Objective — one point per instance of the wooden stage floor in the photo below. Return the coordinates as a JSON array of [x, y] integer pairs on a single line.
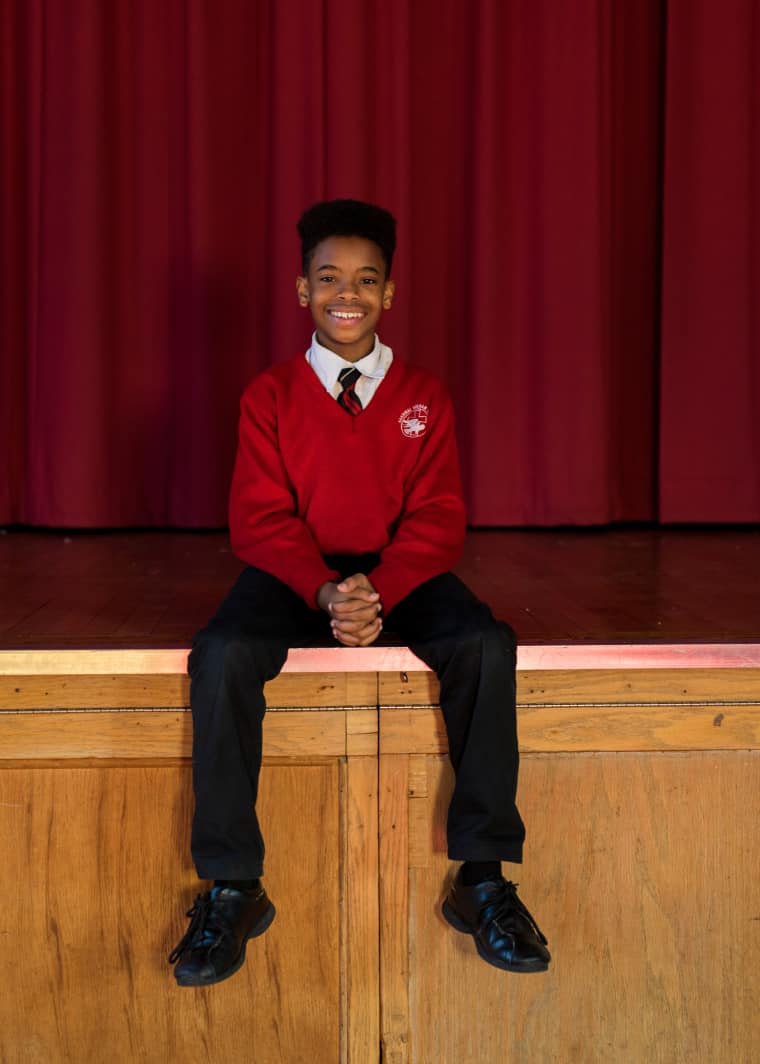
[[556, 587]]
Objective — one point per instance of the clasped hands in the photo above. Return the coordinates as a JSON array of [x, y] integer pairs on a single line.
[[354, 609]]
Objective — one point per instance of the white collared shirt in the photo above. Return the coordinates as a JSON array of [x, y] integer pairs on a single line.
[[373, 367]]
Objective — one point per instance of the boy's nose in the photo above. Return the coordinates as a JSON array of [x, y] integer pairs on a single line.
[[348, 289]]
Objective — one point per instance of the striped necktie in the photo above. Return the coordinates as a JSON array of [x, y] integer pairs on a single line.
[[348, 398]]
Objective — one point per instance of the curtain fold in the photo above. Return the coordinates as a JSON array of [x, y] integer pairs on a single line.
[[576, 190], [710, 411]]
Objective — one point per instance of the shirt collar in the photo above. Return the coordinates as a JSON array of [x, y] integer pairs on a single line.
[[328, 365]]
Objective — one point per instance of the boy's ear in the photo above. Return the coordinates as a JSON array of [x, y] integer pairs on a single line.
[[302, 291], [390, 288]]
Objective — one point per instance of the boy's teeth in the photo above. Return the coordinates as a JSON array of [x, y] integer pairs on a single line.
[[343, 314]]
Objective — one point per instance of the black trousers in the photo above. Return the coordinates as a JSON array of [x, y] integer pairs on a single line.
[[245, 645]]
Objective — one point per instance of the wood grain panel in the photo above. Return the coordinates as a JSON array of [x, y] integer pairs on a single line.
[[70, 691], [102, 857], [579, 729], [143, 735], [360, 908], [394, 899], [642, 870], [637, 686], [320, 689], [136, 735], [679, 727], [408, 689], [294, 734], [92, 692], [594, 686]]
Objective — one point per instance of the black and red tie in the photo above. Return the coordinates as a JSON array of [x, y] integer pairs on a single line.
[[348, 398]]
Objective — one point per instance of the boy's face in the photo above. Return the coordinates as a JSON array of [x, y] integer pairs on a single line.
[[347, 291]]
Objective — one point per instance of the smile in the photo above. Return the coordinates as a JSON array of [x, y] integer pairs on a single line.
[[346, 315]]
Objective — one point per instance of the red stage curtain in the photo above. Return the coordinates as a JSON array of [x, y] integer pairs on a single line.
[[710, 456], [157, 154]]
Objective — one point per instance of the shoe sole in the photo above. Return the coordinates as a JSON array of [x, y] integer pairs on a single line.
[[258, 929], [451, 916]]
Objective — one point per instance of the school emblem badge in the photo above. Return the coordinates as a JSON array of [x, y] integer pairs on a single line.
[[413, 421]]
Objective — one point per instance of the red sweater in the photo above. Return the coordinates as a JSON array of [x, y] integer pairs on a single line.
[[311, 479]]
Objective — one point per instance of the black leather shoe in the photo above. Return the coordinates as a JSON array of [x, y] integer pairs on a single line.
[[505, 933], [221, 922]]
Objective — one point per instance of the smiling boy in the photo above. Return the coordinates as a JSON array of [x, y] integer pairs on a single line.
[[346, 506]]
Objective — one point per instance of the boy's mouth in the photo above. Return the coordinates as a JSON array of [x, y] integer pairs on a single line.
[[348, 316]]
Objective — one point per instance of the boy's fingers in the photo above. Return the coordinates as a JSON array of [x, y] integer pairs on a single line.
[[355, 583], [362, 593], [355, 635], [355, 607], [361, 615], [352, 627], [363, 640]]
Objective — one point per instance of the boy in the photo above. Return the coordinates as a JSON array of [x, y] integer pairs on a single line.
[[346, 504]]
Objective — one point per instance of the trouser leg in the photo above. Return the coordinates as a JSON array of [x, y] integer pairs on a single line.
[[243, 646], [473, 656]]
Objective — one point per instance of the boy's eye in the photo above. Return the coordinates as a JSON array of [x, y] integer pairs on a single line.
[[327, 278], [369, 280]]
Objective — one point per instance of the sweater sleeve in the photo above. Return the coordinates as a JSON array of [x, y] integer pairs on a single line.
[[265, 529], [429, 535]]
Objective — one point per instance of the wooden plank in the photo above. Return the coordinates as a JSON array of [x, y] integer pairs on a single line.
[[639, 686], [581, 686], [360, 903], [559, 729], [290, 733], [135, 735], [302, 876], [322, 689], [408, 689], [93, 692], [676, 727], [294, 734], [394, 908], [143, 735], [561, 688], [113, 691]]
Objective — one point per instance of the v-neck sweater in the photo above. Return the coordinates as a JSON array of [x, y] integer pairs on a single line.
[[312, 480]]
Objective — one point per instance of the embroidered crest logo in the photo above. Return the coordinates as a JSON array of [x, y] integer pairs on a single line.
[[413, 421]]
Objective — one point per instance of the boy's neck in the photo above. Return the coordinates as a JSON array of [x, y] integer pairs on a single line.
[[348, 352]]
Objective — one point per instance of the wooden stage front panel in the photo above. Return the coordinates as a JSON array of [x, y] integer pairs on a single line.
[[641, 791], [642, 871], [95, 878]]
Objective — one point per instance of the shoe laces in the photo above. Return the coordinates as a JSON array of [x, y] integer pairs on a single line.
[[509, 903], [200, 933]]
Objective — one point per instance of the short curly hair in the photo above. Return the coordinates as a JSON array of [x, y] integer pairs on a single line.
[[347, 217]]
